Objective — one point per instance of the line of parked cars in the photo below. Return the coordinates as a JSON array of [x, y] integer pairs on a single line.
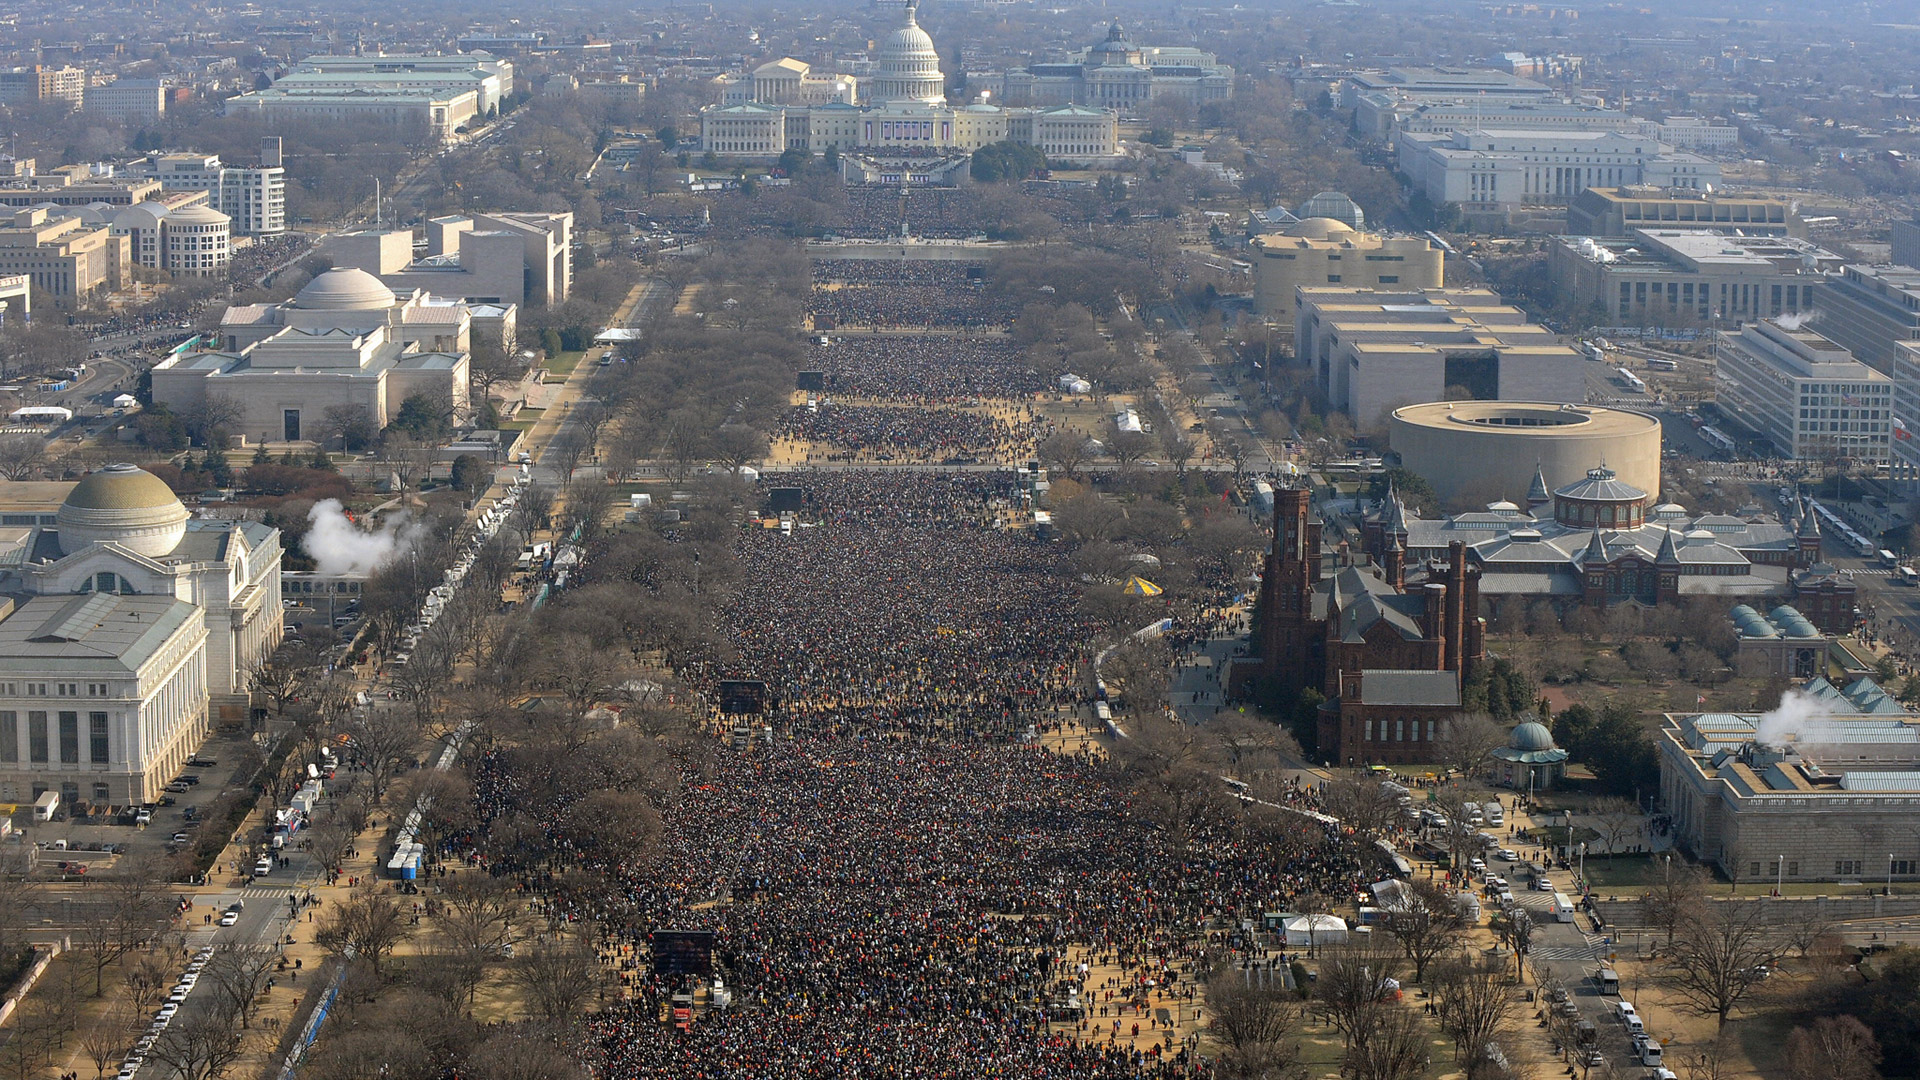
[[163, 1017]]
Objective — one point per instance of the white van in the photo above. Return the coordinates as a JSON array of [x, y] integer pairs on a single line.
[[1648, 1048], [1623, 1011], [1495, 816], [1562, 908], [263, 867]]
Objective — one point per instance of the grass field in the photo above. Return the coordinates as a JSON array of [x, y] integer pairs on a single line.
[[564, 363]]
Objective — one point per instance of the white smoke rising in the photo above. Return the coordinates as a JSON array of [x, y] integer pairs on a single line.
[[341, 547], [1797, 716], [1793, 320]]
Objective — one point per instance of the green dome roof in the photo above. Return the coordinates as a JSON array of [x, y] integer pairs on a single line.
[[121, 487], [1531, 736]]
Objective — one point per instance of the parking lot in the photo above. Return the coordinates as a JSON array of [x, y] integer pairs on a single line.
[[225, 765]]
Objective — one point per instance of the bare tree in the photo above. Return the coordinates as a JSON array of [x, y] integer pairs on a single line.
[[146, 979], [1677, 897], [22, 456], [107, 1040], [734, 445], [1426, 923], [1834, 1048], [200, 1045], [370, 922], [1475, 1004], [1258, 1025], [1350, 992], [1618, 821], [277, 676], [382, 740], [237, 975], [1469, 741], [558, 976], [1066, 451], [1362, 804], [1717, 955], [1515, 929], [1396, 1048], [1718, 1059]]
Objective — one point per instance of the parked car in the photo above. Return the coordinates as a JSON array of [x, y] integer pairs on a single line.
[[229, 918]]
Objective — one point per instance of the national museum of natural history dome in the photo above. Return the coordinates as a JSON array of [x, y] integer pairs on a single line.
[[128, 628]]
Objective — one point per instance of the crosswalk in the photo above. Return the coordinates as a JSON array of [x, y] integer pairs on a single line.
[[1869, 571], [1566, 952]]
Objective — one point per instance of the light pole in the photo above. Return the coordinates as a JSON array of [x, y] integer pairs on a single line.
[[1889, 873], [1779, 872]]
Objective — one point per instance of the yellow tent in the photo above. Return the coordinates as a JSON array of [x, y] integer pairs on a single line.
[[1139, 586]]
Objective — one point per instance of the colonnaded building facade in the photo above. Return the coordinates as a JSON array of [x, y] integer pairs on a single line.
[[127, 627], [906, 109]]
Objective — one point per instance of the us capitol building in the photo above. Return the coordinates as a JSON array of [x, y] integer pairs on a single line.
[[785, 106]]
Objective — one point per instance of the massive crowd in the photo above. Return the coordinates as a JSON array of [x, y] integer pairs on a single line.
[[894, 293], [912, 909], [903, 607], [933, 213], [895, 887], [927, 369], [865, 432]]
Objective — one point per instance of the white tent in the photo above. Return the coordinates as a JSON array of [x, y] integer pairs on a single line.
[[1127, 420], [1316, 930], [125, 401], [1074, 384], [42, 414]]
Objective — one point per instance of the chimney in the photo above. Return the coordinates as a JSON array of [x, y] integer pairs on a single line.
[[1456, 603], [1434, 622]]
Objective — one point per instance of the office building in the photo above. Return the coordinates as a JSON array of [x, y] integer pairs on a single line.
[[16, 297], [1620, 211], [1664, 276], [518, 259], [1803, 394], [1118, 74], [133, 102], [30, 85], [344, 340], [1869, 311], [1694, 133], [1828, 798], [1497, 169], [132, 626], [1381, 115], [1322, 251], [1443, 85], [438, 95], [254, 199], [75, 186], [1905, 238], [61, 253], [1374, 351]]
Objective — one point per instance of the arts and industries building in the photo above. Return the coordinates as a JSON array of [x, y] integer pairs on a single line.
[[1599, 541], [344, 340], [509, 258], [1689, 275], [254, 198], [906, 110], [1116, 74], [127, 628], [1831, 798], [438, 95], [1322, 251], [1806, 396], [1620, 211], [1485, 169], [1476, 452], [1373, 351]]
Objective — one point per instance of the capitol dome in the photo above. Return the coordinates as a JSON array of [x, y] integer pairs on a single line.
[[907, 68], [124, 505], [343, 289]]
